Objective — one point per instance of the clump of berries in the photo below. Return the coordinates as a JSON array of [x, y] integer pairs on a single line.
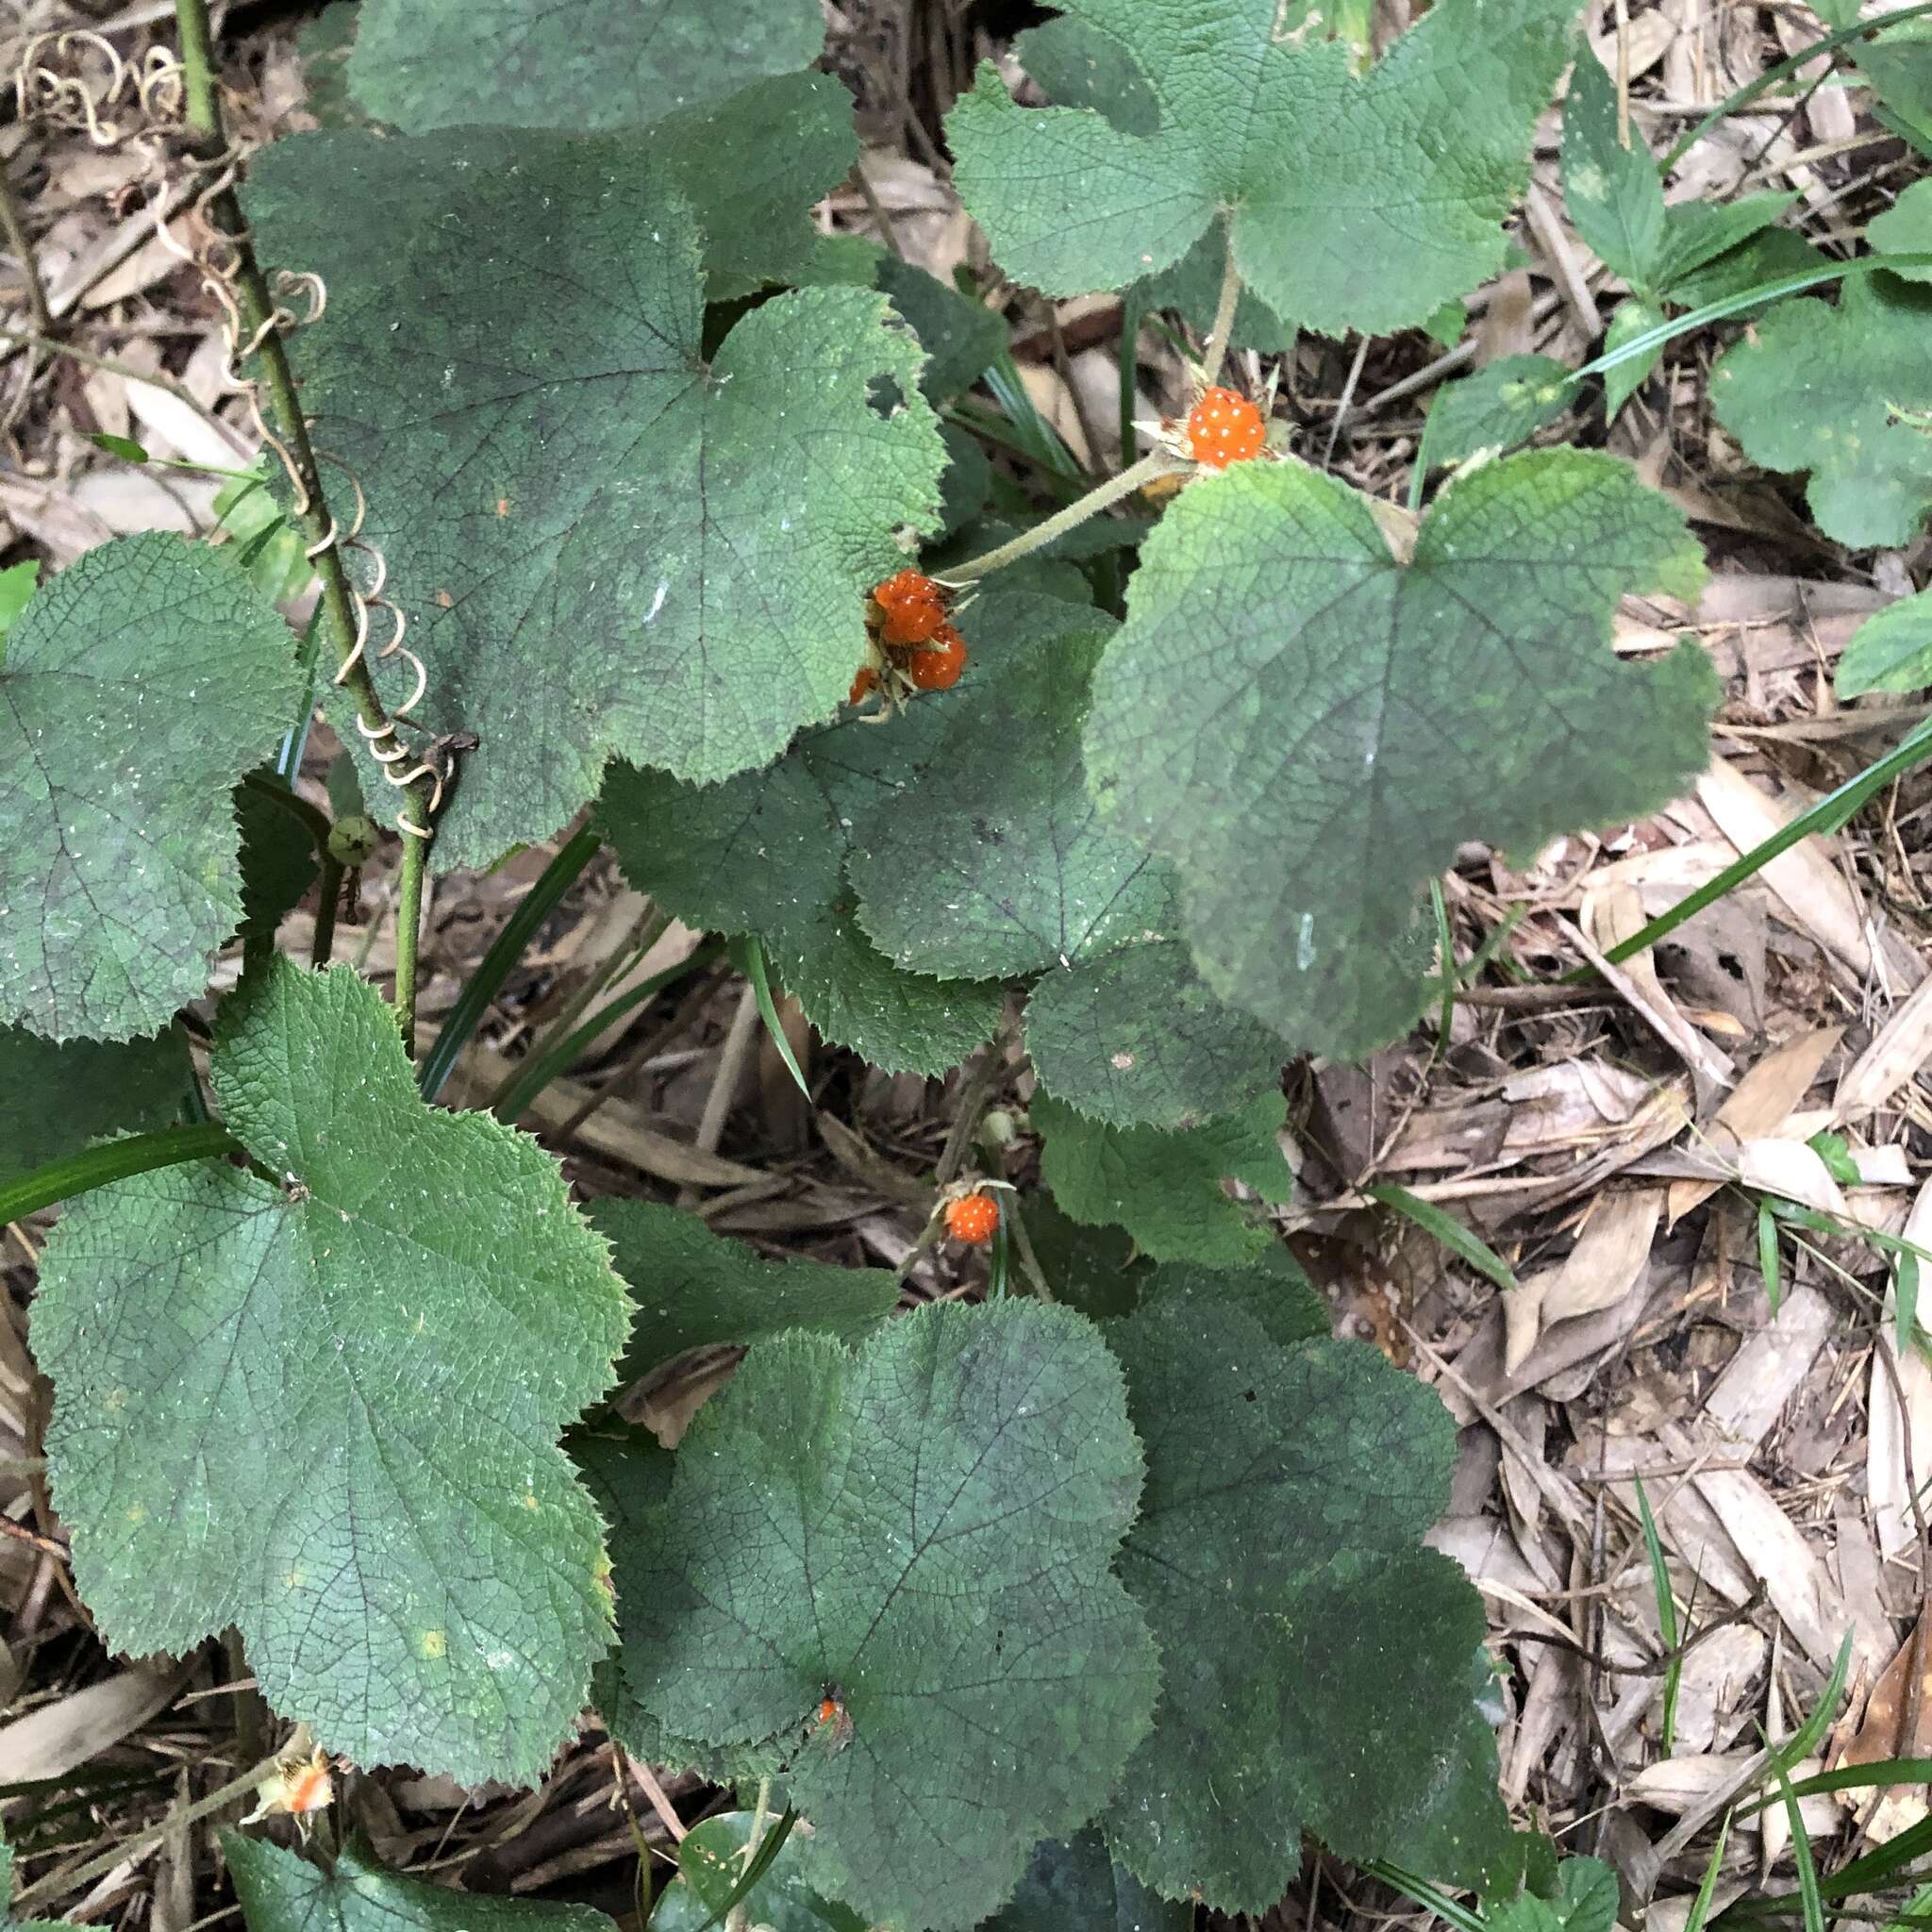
[[974, 1219], [1224, 428], [914, 644]]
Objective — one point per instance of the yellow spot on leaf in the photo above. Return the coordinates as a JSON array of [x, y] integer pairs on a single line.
[[446, 601], [432, 1643], [503, 506]]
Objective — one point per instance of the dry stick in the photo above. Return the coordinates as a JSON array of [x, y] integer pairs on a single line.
[[732, 1058], [52, 344], [257, 307], [57, 1882], [20, 243]]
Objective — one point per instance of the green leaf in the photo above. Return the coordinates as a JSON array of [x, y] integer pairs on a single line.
[[1905, 228], [1079, 63], [1002, 866], [325, 1409], [1074, 1886], [1890, 651], [751, 166], [622, 550], [1587, 1900], [423, 64], [1165, 1188], [1366, 717], [1843, 393], [1503, 404], [935, 1518], [1696, 233], [123, 446], [259, 540], [139, 686], [1613, 192], [281, 1892], [1620, 383], [695, 1288], [1444, 1230], [1765, 258], [961, 338], [54, 1099], [17, 585], [1132, 1037], [1096, 1270], [766, 852], [710, 1862], [1357, 201], [999, 865], [1314, 1656], [278, 860], [1445, 325], [1899, 66], [1836, 1153]]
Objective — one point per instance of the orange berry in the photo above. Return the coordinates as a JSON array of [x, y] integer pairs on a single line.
[[973, 1219], [913, 610], [1224, 428], [939, 665]]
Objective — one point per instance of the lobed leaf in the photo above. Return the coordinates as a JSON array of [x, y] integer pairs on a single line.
[[1354, 201], [694, 1289], [998, 864], [136, 687], [598, 64], [325, 1409], [282, 1893], [1314, 1656], [1310, 727], [1847, 394], [921, 1529], [54, 1099], [603, 544], [1165, 1188]]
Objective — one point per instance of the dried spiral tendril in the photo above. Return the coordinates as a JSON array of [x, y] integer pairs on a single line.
[[155, 92]]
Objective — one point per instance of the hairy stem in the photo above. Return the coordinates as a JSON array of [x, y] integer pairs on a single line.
[[1159, 464], [257, 305], [1223, 311]]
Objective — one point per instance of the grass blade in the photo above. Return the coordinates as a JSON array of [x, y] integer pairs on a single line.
[[1446, 1230], [750, 955], [1666, 1615], [558, 876], [1767, 1254], [1831, 811], [113, 1160]]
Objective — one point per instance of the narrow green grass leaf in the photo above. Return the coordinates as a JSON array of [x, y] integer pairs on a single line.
[[750, 955], [483, 985], [113, 1160], [1666, 1615], [1768, 1255], [1706, 1888], [1809, 1897], [1447, 1231]]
